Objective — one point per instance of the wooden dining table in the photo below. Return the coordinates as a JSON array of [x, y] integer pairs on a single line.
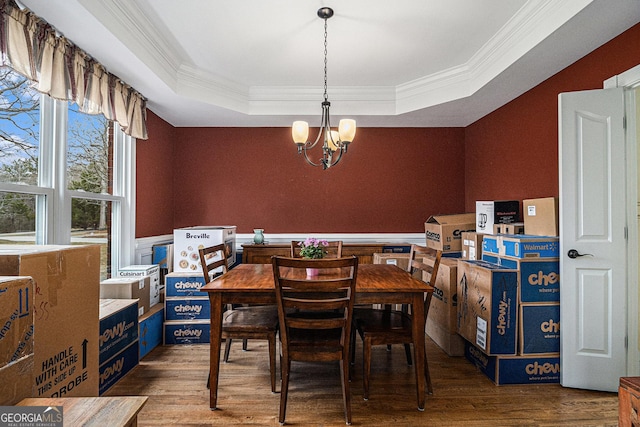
[[376, 284]]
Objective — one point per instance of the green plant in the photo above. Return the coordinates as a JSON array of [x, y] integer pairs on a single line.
[[313, 248]]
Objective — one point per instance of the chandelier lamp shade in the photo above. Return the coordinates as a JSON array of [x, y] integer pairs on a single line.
[[334, 142]]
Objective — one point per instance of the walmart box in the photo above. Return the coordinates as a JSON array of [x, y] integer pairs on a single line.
[[182, 309], [521, 246], [539, 328], [194, 332], [150, 329], [118, 326], [118, 366], [153, 271], [184, 285], [487, 306], [444, 232], [515, 369]]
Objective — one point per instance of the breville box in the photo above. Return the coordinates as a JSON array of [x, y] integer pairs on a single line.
[[487, 306], [118, 326], [153, 271], [472, 245], [530, 369], [118, 366], [187, 309], [66, 314], [398, 259], [184, 285], [194, 332], [16, 318], [541, 216], [188, 241], [444, 232], [490, 212], [443, 309], [539, 329], [128, 288], [16, 382], [150, 329]]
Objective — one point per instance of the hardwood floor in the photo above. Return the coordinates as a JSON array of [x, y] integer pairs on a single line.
[[174, 378]]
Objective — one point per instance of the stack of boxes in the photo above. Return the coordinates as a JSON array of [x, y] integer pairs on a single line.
[[187, 310]]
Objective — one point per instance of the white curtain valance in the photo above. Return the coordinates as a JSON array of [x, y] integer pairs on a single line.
[[32, 47]]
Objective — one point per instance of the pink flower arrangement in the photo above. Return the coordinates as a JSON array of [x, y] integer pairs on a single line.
[[313, 248]]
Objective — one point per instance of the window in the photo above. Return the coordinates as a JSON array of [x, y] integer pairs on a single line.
[[65, 177]]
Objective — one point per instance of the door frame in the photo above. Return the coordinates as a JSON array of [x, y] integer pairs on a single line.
[[630, 81]]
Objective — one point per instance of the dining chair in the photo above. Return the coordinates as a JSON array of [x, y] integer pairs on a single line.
[[242, 322], [315, 317], [384, 326], [334, 250]]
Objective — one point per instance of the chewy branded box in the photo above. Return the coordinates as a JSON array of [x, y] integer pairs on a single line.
[[472, 245], [188, 241], [490, 212], [16, 382], [444, 232], [194, 332], [541, 216], [66, 314], [118, 326], [444, 302], [16, 319], [153, 271], [539, 329], [487, 306], [515, 369], [398, 259], [128, 288], [118, 366], [184, 285], [150, 329], [539, 278], [182, 309]]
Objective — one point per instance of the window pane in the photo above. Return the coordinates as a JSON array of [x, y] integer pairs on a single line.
[[17, 218], [19, 133], [91, 224], [90, 152]]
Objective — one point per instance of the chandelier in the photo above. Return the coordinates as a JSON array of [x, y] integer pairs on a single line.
[[334, 143]]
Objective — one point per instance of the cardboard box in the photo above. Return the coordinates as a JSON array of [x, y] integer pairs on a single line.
[[185, 333], [128, 288], [539, 329], [444, 232], [398, 259], [487, 306], [118, 366], [184, 285], [515, 369], [118, 326], [541, 216], [539, 278], [443, 309], [187, 309], [396, 249], [16, 319], [490, 212], [153, 271], [16, 381], [188, 241], [163, 256], [150, 329], [521, 246], [66, 314], [515, 228], [472, 245], [451, 343]]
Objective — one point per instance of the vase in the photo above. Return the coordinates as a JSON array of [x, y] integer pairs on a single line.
[[258, 237], [312, 272]]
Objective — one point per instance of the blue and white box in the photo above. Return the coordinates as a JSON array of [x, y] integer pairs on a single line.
[[540, 329], [185, 333], [117, 367], [521, 246], [150, 329], [182, 309], [184, 285], [118, 326]]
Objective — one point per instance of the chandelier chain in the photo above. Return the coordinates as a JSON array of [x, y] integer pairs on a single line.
[[326, 97]]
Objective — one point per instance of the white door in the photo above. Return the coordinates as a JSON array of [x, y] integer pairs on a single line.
[[593, 274]]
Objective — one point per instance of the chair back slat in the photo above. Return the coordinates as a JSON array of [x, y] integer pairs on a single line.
[[213, 261], [425, 271]]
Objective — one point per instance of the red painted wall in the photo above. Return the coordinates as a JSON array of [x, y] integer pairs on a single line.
[[512, 153], [154, 179], [391, 180]]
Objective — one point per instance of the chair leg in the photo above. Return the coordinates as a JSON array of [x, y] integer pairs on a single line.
[[244, 345], [346, 392], [272, 361], [284, 388], [209, 380], [227, 348], [366, 365], [427, 375], [407, 351]]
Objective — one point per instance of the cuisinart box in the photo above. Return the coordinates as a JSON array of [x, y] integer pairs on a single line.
[[188, 241]]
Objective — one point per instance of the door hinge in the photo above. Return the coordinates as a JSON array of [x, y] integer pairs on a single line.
[[626, 233], [624, 122], [626, 342]]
